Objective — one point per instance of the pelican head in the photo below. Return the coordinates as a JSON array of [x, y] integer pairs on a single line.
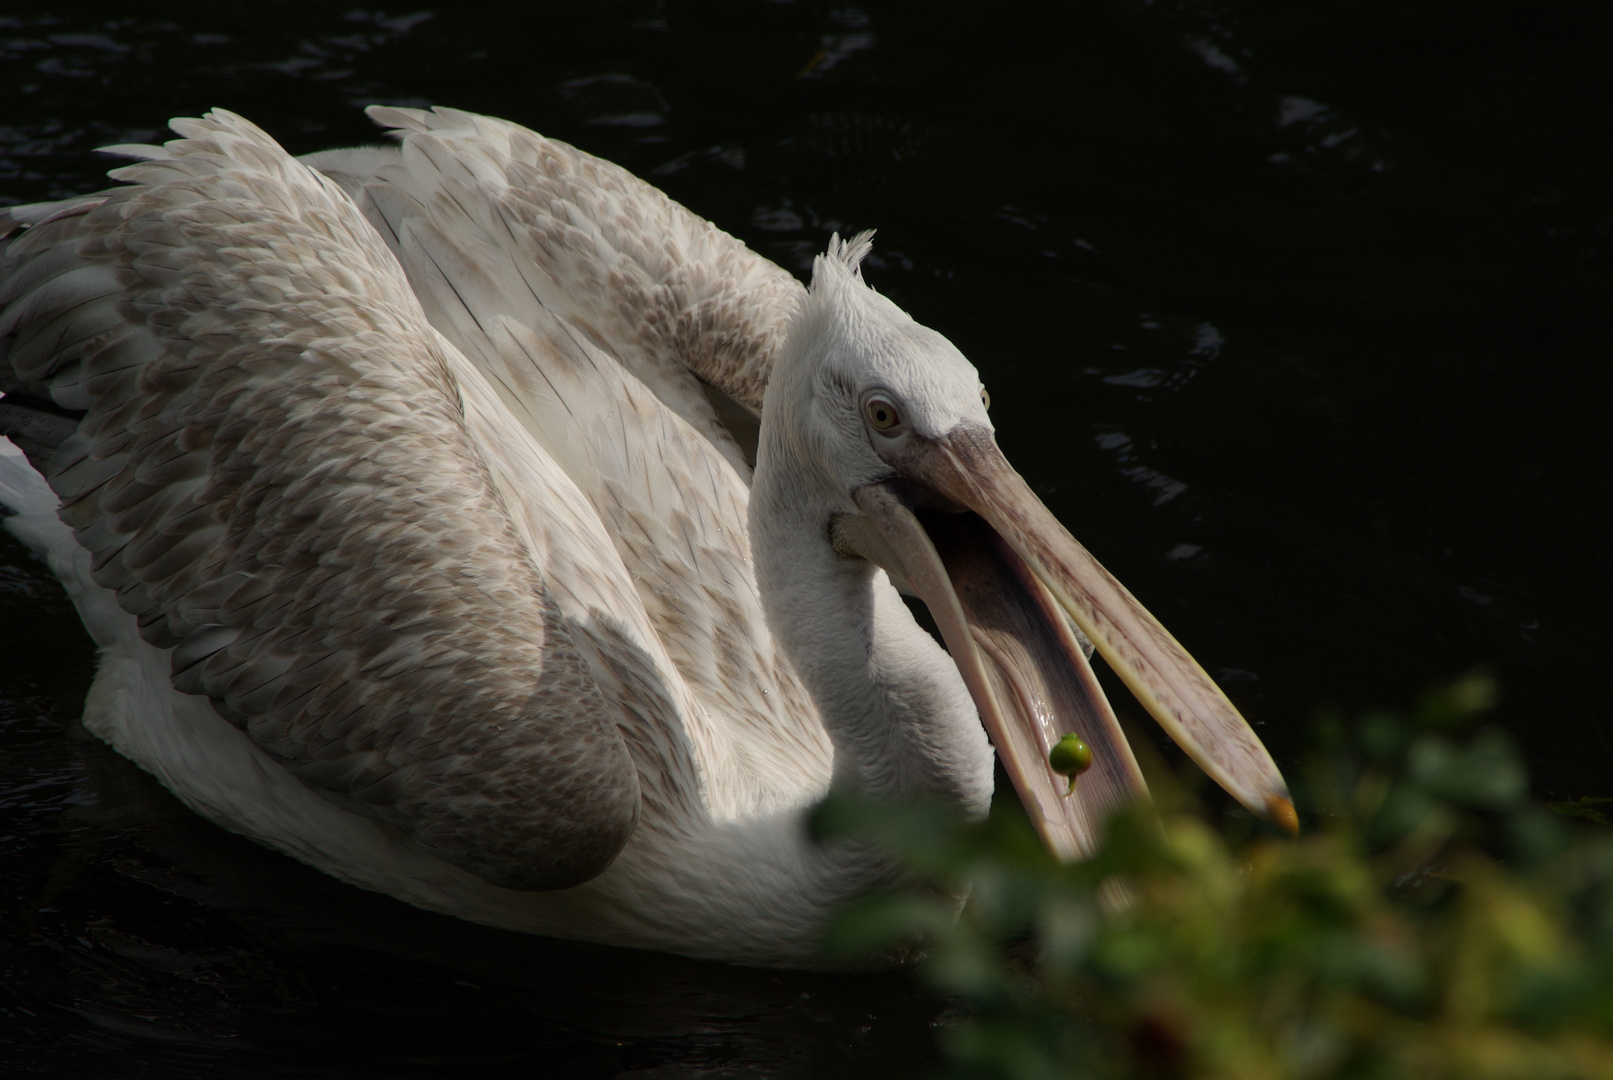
[[892, 420]]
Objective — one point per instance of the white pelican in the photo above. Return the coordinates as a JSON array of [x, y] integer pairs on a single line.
[[391, 489]]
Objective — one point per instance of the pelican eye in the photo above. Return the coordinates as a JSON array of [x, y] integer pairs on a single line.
[[985, 399], [883, 416]]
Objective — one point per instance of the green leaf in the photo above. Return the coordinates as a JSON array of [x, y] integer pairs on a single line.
[[1582, 808], [874, 927], [1484, 773], [1387, 940]]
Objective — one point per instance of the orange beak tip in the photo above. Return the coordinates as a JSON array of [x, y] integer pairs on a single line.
[[1281, 812]]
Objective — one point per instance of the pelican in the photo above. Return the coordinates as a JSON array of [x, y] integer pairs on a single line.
[[395, 488]]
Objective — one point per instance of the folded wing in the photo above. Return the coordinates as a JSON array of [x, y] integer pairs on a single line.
[[672, 297], [590, 302], [275, 474]]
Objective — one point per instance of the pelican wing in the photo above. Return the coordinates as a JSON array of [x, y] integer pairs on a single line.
[[672, 297], [277, 473], [488, 221]]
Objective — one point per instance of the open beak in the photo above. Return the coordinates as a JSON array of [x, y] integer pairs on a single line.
[[999, 583]]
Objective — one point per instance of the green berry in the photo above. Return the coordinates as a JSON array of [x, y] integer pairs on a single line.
[[1070, 757]]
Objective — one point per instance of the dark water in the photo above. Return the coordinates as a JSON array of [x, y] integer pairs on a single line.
[[1298, 314]]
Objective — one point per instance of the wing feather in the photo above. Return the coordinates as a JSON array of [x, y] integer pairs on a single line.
[[673, 502], [275, 474], [674, 298]]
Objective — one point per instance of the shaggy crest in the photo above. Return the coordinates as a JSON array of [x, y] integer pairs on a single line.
[[840, 267], [839, 301], [851, 252]]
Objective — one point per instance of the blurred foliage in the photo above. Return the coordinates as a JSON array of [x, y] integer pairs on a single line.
[[1430, 922]]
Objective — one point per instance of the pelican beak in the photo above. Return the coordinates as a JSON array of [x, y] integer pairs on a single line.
[[1000, 582]]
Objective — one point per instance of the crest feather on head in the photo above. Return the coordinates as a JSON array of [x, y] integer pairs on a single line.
[[837, 286], [841, 316], [841, 264], [850, 253]]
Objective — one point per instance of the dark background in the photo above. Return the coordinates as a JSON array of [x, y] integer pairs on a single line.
[[1298, 315]]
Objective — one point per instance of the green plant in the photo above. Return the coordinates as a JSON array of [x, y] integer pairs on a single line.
[[1431, 922]]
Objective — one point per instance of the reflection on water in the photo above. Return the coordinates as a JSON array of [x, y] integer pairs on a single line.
[[1296, 315]]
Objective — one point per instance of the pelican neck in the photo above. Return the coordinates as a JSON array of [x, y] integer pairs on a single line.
[[895, 708]]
